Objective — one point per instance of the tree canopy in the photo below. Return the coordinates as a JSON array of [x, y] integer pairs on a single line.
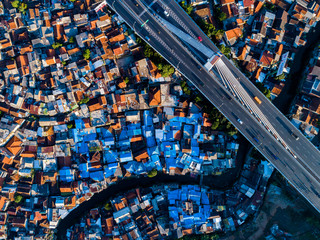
[[21, 6], [86, 54], [56, 45], [152, 173], [18, 198]]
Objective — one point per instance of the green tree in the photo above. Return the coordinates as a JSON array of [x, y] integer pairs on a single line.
[[84, 100], [210, 30], [22, 7], [219, 34], [63, 63], [86, 54], [126, 80], [152, 173], [70, 125], [198, 99], [32, 173], [72, 40], [56, 45], [232, 132], [107, 206], [189, 9], [280, 77], [215, 124], [15, 4], [18, 199], [222, 16], [167, 70], [225, 50], [148, 52]]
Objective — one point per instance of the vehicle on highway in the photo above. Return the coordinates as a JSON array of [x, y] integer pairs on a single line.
[[257, 100], [239, 121], [147, 38], [256, 139], [295, 136], [166, 13], [199, 67], [200, 39]]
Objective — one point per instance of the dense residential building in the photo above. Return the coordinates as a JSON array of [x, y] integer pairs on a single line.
[[306, 107], [82, 108], [173, 211]]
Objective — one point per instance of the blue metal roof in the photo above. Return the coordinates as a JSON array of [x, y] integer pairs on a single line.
[[84, 173], [79, 123], [97, 176], [89, 137], [110, 156], [82, 147], [187, 131], [66, 174]]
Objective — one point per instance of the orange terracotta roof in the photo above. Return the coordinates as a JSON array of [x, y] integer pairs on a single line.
[[3, 201], [104, 18], [227, 2], [50, 60], [239, 21], [115, 108], [276, 90], [47, 23], [39, 216], [11, 64], [59, 31], [22, 60], [118, 51], [93, 24], [233, 33], [266, 58], [5, 43], [7, 160], [243, 53], [258, 73], [136, 139], [154, 96], [14, 145], [248, 3], [12, 24], [280, 48], [122, 84], [142, 156], [26, 49], [258, 7], [73, 51], [31, 13]]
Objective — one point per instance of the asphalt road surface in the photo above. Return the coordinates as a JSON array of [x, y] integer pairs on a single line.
[[301, 172]]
